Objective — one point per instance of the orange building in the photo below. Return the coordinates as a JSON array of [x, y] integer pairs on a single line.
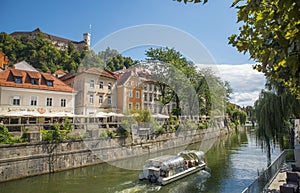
[[129, 91], [3, 60]]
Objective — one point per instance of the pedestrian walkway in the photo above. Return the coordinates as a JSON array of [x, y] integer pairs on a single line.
[[278, 181]]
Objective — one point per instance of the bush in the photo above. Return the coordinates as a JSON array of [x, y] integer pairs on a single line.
[[5, 136], [159, 130], [202, 126]]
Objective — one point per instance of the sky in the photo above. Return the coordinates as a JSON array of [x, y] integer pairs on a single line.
[[208, 25]]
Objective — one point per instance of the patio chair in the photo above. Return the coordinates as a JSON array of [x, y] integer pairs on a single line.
[[292, 178], [284, 189], [295, 168]]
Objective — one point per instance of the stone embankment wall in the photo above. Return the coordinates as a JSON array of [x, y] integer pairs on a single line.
[[22, 160]]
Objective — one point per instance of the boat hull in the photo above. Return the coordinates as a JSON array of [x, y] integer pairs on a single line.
[[167, 180]]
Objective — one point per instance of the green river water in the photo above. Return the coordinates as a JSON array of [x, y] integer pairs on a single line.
[[233, 162]]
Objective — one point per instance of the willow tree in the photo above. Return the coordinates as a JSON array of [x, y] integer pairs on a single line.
[[273, 109]]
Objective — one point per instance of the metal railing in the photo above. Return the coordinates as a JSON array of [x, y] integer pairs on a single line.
[[267, 175]]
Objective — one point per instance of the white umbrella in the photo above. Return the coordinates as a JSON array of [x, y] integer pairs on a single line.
[[14, 114], [160, 116], [115, 114], [101, 114], [62, 114]]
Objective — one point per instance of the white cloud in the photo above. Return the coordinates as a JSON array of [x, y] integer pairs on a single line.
[[244, 80]]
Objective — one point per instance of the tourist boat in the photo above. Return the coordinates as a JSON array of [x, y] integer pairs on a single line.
[[168, 168]]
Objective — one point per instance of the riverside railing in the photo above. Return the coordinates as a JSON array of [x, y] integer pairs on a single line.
[[267, 175]]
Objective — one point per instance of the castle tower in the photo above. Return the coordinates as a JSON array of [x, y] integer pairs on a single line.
[[87, 39]]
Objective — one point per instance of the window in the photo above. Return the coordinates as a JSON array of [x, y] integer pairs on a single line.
[[137, 94], [92, 84], [130, 93], [49, 82], [49, 102], [109, 86], [130, 83], [34, 81], [145, 87], [16, 100], [129, 105], [91, 99], [63, 102], [18, 79], [100, 99], [109, 100], [101, 85], [33, 100], [145, 96], [137, 84], [137, 105], [150, 97]]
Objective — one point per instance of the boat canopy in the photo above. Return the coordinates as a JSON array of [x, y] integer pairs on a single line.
[[192, 154], [173, 163]]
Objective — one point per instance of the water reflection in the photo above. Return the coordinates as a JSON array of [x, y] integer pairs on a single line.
[[233, 161]]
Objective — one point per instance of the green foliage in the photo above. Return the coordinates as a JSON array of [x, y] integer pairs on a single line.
[[123, 132], [40, 53], [58, 132], [24, 137], [273, 111], [181, 77], [270, 34], [191, 125], [109, 59], [203, 125], [5, 136], [140, 115], [159, 130], [103, 134], [237, 116], [67, 126]]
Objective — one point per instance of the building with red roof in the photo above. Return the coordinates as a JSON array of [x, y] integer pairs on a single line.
[[34, 93]]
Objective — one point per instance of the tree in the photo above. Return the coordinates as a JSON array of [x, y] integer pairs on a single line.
[[40, 52], [273, 110], [110, 59], [172, 74], [176, 76], [271, 35], [5, 136]]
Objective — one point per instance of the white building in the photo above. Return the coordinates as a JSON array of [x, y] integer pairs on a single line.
[[33, 94]]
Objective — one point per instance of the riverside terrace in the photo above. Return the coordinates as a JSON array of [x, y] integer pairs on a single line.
[[19, 122], [283, 175]]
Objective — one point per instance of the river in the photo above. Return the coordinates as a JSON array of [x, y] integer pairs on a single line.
[[233, 161]]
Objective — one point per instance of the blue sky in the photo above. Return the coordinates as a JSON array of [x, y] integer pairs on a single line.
[[211, 24]]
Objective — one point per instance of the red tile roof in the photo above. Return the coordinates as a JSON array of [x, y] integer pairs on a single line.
[[61, 72], [48, 76], [16, 72], [100, 72], [7, 79], [35, 75]]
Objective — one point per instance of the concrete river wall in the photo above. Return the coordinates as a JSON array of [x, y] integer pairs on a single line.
[[29, 159]]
